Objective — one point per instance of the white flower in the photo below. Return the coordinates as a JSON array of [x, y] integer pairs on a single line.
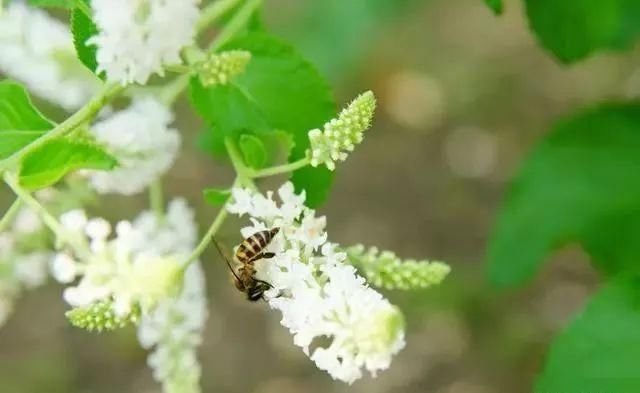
[[138, 37], [142, 141], [37, 50], [317, 293], [140, 266]]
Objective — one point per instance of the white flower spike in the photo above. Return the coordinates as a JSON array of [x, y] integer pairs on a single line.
[[142, 141], [316, 292], [137, 277], [133, 41]]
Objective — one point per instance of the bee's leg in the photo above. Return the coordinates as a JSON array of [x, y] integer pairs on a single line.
[[268, 255]]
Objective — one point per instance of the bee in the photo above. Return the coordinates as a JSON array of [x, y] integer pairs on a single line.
[[250, 250]]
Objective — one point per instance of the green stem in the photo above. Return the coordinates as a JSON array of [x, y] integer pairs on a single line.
[[78, 244], [10, 214], [236, 24], [214, 12], [243, 172], [83, 7], [82, 116], [279, 169], [206, 239], [156, 199]]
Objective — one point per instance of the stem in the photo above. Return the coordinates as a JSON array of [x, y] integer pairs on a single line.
[[83, 7], [206, 239], [10, 214], [243, 173], [78, 244], [213, 12], [156, 199], [82, 116], [236, 23], [279, 169]]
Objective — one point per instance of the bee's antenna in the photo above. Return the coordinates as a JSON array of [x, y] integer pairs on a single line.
[[225, 259]]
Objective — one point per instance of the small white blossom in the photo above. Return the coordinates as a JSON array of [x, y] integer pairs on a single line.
[[137, 38], [37, 50], [64, 268], [316, 292], [143, 143], [340, 135]]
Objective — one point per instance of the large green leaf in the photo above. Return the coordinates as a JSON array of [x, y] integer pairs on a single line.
[[83, 28], [497, 6], [50, 162], [580, 184], [599, 351], [20, 121], [278, 91], [573, 29]]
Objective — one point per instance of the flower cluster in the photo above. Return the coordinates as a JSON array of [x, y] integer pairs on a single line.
[[38, 50], [219, 68], [137, 277], [142, 141], [316, 292], [23, 261], [384, 269], [133, 41], [340, 135]]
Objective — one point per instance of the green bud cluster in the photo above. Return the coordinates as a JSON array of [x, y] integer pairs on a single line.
[[340, 135], [220, 68], [385, 270], [100, 317]]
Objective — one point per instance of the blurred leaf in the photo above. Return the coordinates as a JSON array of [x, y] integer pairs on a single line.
[[573, 29], [215, 196], [279, 90], [83, 28], [497, 6], [50, 162], [20, 121], [67, 4], [354, 25], [579, 184], [253, 151], [599, 351]]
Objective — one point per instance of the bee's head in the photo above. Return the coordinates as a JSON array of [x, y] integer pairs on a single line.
[[257, 291]]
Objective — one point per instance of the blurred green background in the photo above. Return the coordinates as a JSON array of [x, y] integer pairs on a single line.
[[463, 96]]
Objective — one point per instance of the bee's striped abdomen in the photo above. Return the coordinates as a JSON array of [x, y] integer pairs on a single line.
[[254, 245]]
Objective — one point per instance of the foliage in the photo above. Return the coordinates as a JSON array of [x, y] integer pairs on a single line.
[[574, 29]]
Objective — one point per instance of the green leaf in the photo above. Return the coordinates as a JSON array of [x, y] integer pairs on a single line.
[[497, 6], [599, 351], [20, 121], [215, 196], [580, 184], [279, 90], [66, 4], [573, 29], [48, 163], [83, 28], [253, 151]]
